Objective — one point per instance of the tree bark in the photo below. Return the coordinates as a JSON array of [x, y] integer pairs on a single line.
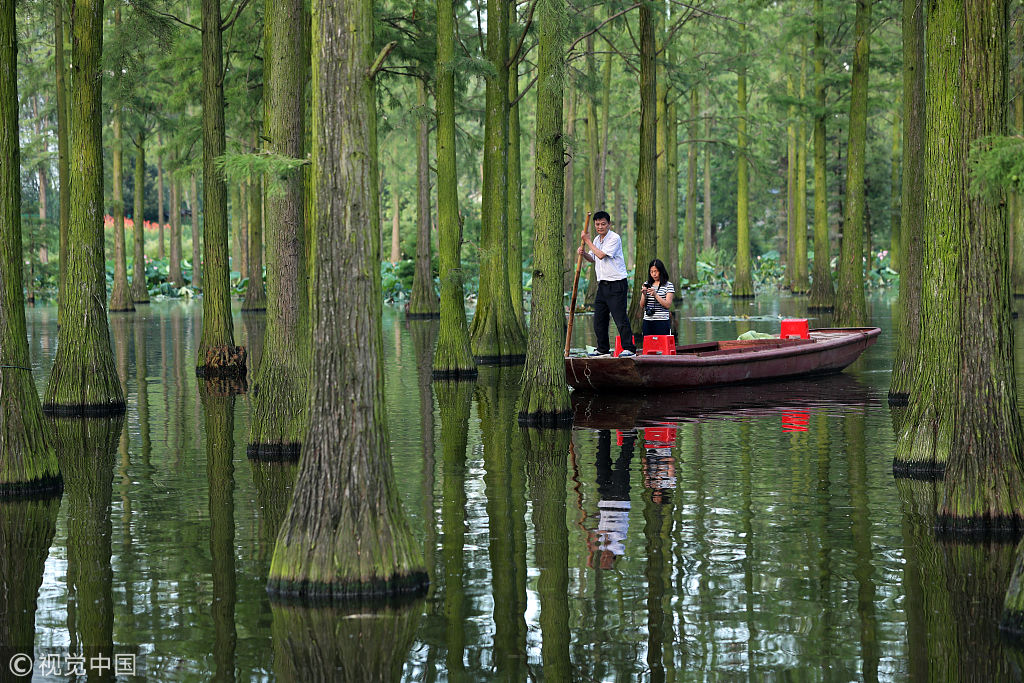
[[256, 292], [672, 187], [453, 357], [688, 269], [83, 378], [791, 186], [174, 267], [355, 541], [515, 187], [708, 235], [800, 285], [495, 335], [544, 399], [120, 294], [1016, 234], [569, 189], [743, 283], [851, 305], [217, 355], [647, 177], [823, 296], [281, 383], [197, 235], [894, 192], [423, 301], [662, 223], [28, 464], [63, 144], [139, 291], [160, 216]]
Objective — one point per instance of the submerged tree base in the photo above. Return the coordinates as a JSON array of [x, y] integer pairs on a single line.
[[87, 410], [1003, 529], [273, 452], [430, 315], [455, 374], [223, 362], [918, 470], [899, 399], [44, 487], [408, 585]]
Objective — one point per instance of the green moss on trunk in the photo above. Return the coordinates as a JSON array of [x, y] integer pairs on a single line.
[[256, 292], [423, 301], [120, 293], [742, 283], [800, 285], [139, 291], [646, 177], [823, 295]]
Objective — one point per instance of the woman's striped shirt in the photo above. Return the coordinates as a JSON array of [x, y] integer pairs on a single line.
[[660, 312]]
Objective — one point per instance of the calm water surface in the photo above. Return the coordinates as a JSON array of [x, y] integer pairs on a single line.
[[732, 534]]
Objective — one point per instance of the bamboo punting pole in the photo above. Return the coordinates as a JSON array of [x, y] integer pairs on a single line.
[[575, 286]]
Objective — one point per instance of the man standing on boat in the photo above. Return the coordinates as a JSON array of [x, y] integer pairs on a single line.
[[605, 252]]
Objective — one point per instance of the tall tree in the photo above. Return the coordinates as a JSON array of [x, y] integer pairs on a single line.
[[912, 216], [515, 183], [354, 541], [453, 357], [851, 305], [174, 265], [964, 387], [823, 295], [139, 291], [27, 460], [256, 292], [280, 386], [496, 336], [217, 355], [192, 200], [423, 301], [688, 267], [646, 177], [63, 136], [800, 285], [120, 294], [743, 283], [161, 252], [83, 378], [545, 397]]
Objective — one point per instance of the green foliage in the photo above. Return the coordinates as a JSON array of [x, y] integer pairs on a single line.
[[396, 280], [273, 168], [997, 165]]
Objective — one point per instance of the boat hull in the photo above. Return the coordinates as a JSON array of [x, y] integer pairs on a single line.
[[718, 363]]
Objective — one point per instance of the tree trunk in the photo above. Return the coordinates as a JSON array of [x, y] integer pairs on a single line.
[[139, 291], [174, 267], [708, 235], [742, 284], [217, 355], [197, 235], [606, 102], [423, 302], [661, 220], [28, 464], [27, 529], [63, 144], [688, 269], [964, 389], [1016, 233], [823, 296], [160, 217], [673, 189], [894, 193], [44, 256], [572, 233], [281, 383], [544, 399], [851, 306], [256, 292], [83, 378], [355, 541], [646, 178], [453, 357], [495, 335], [120, 294], [800, 285], [515, 191], [396, 248], [791, 186]]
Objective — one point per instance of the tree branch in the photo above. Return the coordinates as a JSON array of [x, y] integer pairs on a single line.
[[379, 61], [238, 10], [180, 21], [529, 20]]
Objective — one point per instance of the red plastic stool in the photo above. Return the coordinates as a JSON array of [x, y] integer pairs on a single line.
[[618, 346], [794, 328], [660, 344], [658, 437]]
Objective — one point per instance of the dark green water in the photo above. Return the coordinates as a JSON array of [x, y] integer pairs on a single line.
[[751, 534]]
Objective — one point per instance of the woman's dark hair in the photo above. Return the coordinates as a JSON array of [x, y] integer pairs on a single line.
[[662, 273]]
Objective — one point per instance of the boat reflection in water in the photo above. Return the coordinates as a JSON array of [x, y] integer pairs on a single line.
[[792, 400]]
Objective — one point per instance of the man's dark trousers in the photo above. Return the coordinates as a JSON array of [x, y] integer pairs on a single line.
[[611, 298]]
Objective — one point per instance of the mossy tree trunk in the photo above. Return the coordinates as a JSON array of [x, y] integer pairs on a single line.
[[688, 267], [568, 182], [1016, 234], [281, 384], [217, 356], [256, 292], [851, 304], [423, 301], [354, 541], [120, 293], [174, 265], [790, 184], [63, 139], [27, 461], [708, 235], [161, 252], [673, 189], [743, 283], [823, 295], [139, 291], [912, 216], [661, 220], [453, 357], [894, 192], [545, 397], [515, 186], [83, 378], [646, 177], [496, 335], [800, 285], [964, 388], [197, 233]]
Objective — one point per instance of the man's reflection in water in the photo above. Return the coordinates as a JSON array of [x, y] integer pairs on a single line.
[[613, 490]]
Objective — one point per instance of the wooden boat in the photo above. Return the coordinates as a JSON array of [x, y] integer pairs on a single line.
[[826, 351]]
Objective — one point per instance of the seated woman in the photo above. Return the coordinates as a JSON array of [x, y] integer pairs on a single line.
[[657, 295]]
